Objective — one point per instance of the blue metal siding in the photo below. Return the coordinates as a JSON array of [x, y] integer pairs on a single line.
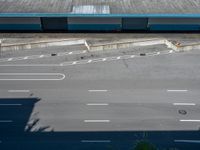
[[33, 27], [174, 27], [94, 27]]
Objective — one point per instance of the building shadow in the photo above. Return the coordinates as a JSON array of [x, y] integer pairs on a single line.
[[16, 133]]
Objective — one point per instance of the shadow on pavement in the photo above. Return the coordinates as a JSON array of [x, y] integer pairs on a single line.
[[15, 133]]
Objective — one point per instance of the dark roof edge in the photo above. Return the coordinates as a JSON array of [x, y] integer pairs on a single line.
[[98, 15]]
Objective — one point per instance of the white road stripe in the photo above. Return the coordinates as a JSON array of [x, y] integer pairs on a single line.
[[98, 90], [32, 74], [74, 63], [10, 59], [89, 61], [189, 120], [97, 104], [119, 57], [70, 53], [18, 91], [96, 121], [41, 56], [171, 51], [95, 141], [187, 141], [132, 56], [158, 53], [10, 104], [25, 57], [6, 121], [177, 90], [184, 104], [104, 59]]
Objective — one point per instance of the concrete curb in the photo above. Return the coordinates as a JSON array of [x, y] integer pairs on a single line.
[[117, 45], [42, 44]]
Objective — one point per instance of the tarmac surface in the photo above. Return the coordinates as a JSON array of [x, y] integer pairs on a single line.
[[155, 92]]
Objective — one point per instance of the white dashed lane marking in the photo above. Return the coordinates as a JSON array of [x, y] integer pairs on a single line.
[[177, 90], [184, 104], [98, 90], [97, 104], [114, 58], [10, 104], [6, 121], [189, 120], [96, 121], [187, 141], [18, 91], [95, 141]]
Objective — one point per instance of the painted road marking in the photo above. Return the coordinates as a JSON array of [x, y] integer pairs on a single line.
[[6, 121], [98, 90], [184, 104], [19, 91], [158, 53], [189, 120], [95, 141], [41, 56], [119, 57], [89, 61], [96, 121], [10, 104], [31, 74], [187, 141], [177, 90], [77, 62], [26, 57], [97, 104], [70, 53], [10, 59]]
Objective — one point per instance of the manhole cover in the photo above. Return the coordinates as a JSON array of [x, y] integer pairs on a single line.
[[182, 112]]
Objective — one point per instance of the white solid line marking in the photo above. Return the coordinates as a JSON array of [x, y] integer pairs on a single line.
[[158, 53], [5, 121], [74, 63], [95, 141], [98, 90], [187, 141], [184, 104], [96, 121], [118, 57], [19, 91], [177, 90], [26, 57], [189, 120], [97, 104], [104, 59], [41, 56], [32, 74], [89, 61], [10, 104], [70, 53]]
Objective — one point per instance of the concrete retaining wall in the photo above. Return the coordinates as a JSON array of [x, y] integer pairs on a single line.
[[41, 44]]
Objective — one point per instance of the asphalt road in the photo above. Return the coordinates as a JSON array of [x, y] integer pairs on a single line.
[[157, 93]]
